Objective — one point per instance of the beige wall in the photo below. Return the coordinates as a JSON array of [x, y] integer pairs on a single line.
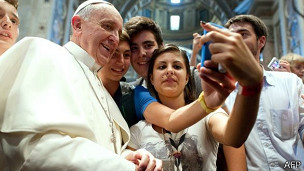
[[35, 17]]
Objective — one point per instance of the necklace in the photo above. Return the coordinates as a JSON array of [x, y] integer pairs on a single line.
[[109, 117], [175, 147]]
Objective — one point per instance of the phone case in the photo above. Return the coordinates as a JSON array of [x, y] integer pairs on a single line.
[[206, 55]]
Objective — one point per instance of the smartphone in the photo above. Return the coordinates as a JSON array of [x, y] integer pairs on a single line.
[[274, 63], [206, 55]]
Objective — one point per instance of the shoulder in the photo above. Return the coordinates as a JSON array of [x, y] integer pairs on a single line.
[[31, 46], [140, 88], [277, 74], [216, 112], [143, 95], [35, 52], [282, 77], [215, 117], [37, 41], [139, 125], [33, 40]]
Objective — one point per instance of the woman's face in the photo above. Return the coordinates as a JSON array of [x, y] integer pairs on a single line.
[[169, 76]]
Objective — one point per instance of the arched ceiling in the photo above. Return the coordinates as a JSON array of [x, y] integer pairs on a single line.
[[190, 12]]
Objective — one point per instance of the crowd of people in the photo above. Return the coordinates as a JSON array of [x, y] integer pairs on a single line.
[[66, 108]]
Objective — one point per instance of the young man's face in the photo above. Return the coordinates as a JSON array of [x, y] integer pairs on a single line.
[[246, 30], [9, 29], [119, 63], [143, 45]]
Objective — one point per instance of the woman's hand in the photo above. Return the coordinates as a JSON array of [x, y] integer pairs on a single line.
[[229, 49], [217, 86]]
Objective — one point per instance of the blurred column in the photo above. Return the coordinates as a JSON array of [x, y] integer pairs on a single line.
[[283, 26], [49, 19], [299, 4]]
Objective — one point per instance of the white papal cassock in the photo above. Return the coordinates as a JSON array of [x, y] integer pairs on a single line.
[[52, 111]]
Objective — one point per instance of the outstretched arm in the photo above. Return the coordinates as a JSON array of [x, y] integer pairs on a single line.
[[235, 158], [163, 116], [234, 129], [229, 49]]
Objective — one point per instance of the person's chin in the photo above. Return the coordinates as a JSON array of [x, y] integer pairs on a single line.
[[143, 73], [116, 77], [143, 69]]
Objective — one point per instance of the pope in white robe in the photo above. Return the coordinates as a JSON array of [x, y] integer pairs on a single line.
[[53, 110], [55, 114]]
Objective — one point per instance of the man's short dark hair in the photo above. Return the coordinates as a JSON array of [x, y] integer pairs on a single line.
[[257, 24], [140, 23]]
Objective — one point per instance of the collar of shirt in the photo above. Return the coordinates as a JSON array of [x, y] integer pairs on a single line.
[[82, 56], [267, 76]]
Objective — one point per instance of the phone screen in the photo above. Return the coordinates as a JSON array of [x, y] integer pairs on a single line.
[[274, 63]]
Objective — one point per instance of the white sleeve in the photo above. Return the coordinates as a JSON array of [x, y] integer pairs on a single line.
[[54, 151], [45, 120], [135, 136], [301, 108], [219, 110]]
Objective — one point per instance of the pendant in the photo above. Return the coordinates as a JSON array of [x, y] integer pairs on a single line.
[[112, 138]]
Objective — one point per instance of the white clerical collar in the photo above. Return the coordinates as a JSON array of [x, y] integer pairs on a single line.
[[82, 56]]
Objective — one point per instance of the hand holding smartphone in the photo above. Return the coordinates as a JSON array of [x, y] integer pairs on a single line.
[[274, 63], [206, 55]]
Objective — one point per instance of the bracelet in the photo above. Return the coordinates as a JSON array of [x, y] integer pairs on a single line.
[[250, 90], [201, 99]]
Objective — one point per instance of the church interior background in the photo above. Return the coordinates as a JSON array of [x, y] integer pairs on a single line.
[[178, 19]]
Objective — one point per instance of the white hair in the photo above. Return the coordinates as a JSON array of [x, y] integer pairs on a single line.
[[85, 9]]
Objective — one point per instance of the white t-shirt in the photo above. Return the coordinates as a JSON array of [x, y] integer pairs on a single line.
[[198, 150]]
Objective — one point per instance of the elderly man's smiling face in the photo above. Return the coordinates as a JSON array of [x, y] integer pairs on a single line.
[[99, 35]]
